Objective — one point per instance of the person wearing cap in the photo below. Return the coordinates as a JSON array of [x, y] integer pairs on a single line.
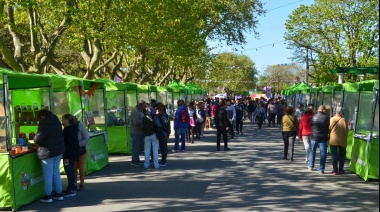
[[338, 141], [320, 124]]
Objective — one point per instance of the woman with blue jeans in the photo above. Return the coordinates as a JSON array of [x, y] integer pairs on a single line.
[[51, 147]]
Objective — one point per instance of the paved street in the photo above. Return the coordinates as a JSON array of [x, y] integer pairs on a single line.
[[250, 177]]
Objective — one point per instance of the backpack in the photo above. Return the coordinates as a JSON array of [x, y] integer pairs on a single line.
[[148, 126], [185, 118]]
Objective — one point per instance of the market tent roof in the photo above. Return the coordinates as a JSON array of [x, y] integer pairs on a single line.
[[285, 91], [68, 82], [131, 86], [356, 70], [194, 88], [177, 87], [301, 87], [19, 80], [143, 88], [152, 88], [316, 89], [330, 88], [162, 89], [366, 85], [112, 85]]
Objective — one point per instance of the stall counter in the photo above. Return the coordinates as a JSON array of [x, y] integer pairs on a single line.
[[21, 180], [119, 140], [365, 158], [97, 152]]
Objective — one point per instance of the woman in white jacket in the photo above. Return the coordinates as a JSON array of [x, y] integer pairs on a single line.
[[83, 138]]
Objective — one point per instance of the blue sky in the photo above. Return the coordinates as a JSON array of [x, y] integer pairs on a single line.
[[271, 29]]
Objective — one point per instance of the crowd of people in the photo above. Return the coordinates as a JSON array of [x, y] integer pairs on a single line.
[[150, 128]]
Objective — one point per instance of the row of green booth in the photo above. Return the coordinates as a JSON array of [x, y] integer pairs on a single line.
[[103, 105], [360, 101]]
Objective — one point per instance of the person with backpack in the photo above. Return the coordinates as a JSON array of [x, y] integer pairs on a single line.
[[201, 118], [148, 126], [164, 125], [181, 123], [272, 112]]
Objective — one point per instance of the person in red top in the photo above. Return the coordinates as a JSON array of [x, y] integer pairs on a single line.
[[304, 131]]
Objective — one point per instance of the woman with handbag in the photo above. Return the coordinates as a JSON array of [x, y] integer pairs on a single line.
[[289, 125]]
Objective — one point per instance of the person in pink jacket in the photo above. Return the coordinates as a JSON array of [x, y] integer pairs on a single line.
[[213, 112], [304, 131]]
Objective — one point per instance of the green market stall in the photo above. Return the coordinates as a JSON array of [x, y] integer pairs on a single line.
[[117, 129], [316, 97], [22, 95], [364, 159], [86, 100]]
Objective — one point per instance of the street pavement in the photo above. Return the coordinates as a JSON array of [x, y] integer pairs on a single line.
[[250, 177]]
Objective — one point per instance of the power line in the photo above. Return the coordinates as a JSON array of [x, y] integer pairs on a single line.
[[271, 44], [284, 5]]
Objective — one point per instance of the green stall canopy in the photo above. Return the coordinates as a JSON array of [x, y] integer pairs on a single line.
[[177, 87], [112, 85], [356, 70], [131, 86], [18, 80], [66, 82], [143, 88]]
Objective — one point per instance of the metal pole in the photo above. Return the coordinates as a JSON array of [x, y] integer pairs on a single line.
[[307, 67]]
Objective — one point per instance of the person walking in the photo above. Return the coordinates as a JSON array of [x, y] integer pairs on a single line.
[[164, 120], [83, 138], [137, 136], [148, 127], [51, 147], [190, 134], [222, 123], [280, 111], [239, 108], [208, 114], [71, 155], [251, 109], [181, 123], [272, 112], [299, 113], [201, 117], [320, 124], [304, 131], [259, 115], [289, 124], [338, 141], [231, 114]]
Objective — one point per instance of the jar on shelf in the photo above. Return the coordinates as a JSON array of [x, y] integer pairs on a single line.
[[35, 106], [23, 106]]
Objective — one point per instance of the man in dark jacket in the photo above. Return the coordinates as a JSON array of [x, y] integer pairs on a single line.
[[51, 147], [319, 136], [222, 122]]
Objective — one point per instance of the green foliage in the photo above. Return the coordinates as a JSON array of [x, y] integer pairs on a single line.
[[340, 34], [156, 41], [228, 69]]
